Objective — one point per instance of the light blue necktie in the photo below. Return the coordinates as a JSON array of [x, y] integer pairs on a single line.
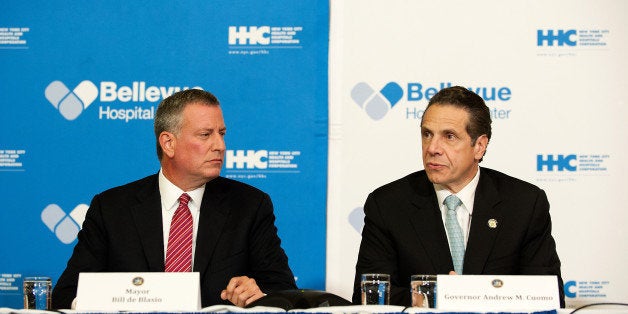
[[456, 240]]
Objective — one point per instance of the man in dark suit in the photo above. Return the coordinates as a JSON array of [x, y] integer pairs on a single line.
[[504, 222], [237, 250]]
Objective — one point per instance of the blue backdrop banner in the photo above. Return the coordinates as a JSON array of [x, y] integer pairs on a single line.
[[80, 83]]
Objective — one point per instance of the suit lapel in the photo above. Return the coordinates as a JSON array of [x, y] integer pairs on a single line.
[[482, 234], [148, 219], [212, 220], [428, 224]]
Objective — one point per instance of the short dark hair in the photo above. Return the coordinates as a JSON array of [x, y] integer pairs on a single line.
[[479, 114], [170, 111]]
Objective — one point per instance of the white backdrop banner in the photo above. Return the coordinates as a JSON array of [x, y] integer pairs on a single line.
[[553, 74]]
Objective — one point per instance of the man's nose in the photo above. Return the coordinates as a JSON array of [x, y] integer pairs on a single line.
[[434, 146], [219, 144]]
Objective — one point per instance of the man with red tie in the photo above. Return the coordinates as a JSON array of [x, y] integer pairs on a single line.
[[184, 218]]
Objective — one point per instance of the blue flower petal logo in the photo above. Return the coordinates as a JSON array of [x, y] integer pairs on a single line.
[[71, 103], [356, 219], [64, 226], [376, 104]]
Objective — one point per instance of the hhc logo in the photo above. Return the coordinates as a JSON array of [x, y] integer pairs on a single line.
[[376, 104], [569, 292], [562, 37], [64, 226], [250, 159], [253, 35], [561, 162], [71, 103]]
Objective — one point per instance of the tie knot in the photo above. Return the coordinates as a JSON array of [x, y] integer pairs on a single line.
[[452, 202], [184, 199]]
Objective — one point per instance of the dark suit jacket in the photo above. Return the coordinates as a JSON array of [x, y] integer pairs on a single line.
[[123, 232], [404, 233]]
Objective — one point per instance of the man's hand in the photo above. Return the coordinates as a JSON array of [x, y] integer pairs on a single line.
[[241, 291]]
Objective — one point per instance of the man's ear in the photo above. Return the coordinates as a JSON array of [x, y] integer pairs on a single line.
[[168, 143], [480, 146]]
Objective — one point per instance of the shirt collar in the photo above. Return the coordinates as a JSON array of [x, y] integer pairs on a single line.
[[466, 195], [170, 193]]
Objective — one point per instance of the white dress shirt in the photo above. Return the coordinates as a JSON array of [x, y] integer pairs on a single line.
[[170, 194]]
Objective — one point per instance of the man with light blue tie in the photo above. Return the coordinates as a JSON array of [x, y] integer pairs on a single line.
[[455, 217]]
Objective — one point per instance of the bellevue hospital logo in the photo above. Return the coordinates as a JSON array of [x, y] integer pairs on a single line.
[[71, 103], [64, 226], [131, 102], [376, 104]]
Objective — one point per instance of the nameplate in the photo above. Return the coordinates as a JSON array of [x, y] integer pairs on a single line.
[[138, 292], [497, 293]]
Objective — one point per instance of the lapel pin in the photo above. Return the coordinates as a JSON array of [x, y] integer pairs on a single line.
[[492, 223]]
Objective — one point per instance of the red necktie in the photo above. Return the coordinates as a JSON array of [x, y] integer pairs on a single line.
[[179, 255]]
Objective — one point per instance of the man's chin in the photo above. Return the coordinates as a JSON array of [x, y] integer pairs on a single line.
[[212, 174], [434, 176]]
